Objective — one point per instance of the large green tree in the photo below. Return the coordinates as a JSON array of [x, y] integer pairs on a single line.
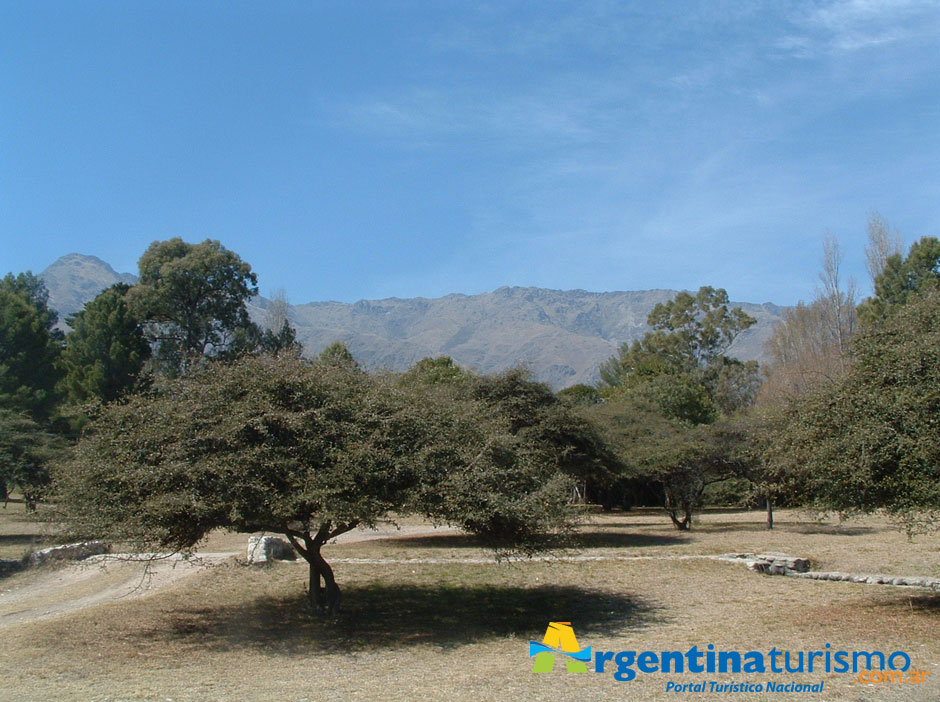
[[193, 297], [902, 278], [29, 346], [309, 451], [105, 352], [26, 450], [677, 378], [872, 440]]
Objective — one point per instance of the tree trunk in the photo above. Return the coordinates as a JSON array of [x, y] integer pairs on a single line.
[[770, 513], [324, 596], [683, 524], [327, 596]]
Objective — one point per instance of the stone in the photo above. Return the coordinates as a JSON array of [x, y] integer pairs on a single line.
[[915, 582], [68, 552], [262, 549], [785, 561]]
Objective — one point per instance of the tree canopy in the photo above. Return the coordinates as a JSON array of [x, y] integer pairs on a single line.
[[677, 378], [902, 278], [309, 451], [193, 297], [872, 440], [29, 346], [26, 451], [105, 353]]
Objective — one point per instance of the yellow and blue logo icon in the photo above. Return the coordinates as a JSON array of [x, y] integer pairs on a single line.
[[559, 640]]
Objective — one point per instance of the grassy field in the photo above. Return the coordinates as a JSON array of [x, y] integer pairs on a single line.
[[456, 630]]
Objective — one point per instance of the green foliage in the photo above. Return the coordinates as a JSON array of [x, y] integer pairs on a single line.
[[579, 395], [106, 350], [733, 492], [872, 440], [29, 346], [663, 391], [336, 354], [32, 288], [680, 366], [434, 371], [282, 341], [732, 384], [310, 451], [535, 413], [25, 453], [193, 299], [903, 278], [695, 330]]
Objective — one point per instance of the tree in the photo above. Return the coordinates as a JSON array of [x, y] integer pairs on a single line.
[[872, 440], [433, 371], [810, 345], [33, 289], [337, 354], [742, 445], [676, 378], [902, 279], [883, 243], [309, 451], [689, 339], [279, 336], [106, 351], [193, 297], [29, 346], [26, 450], [533, 412], [579, 395]]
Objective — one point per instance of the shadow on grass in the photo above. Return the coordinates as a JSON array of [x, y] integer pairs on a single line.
[[378, 616], [830, 529], [25, 540], [581, 539], [923, 602], [607, 539]]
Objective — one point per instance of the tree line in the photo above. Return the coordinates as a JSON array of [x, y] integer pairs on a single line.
[[165, 412]]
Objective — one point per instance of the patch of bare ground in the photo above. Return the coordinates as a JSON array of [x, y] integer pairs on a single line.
[[460, 631]]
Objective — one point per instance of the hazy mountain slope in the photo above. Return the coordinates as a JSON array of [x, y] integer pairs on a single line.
[[75, 279], [561, 335]]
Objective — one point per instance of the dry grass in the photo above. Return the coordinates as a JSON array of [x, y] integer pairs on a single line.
[[458, 631], [20, 533]]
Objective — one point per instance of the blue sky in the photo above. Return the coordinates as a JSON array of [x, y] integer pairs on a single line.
[[354, 150]]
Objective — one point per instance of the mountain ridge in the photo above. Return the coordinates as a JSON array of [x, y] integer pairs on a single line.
[[562, 336]]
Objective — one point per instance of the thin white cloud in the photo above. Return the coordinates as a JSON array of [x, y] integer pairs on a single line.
[[846, 26], [432, 113]]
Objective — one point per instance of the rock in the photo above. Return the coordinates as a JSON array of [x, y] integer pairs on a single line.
[[71, 552], [800, 565], [262, 549], [782, 562], [758, 565], [915, 582]]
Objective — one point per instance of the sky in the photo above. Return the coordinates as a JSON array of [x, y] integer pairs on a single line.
[[363, 150]]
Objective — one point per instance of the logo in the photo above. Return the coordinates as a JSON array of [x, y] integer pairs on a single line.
[[703, 665], [559, 640]]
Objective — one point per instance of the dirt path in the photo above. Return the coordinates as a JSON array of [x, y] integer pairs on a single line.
[[51, 591]]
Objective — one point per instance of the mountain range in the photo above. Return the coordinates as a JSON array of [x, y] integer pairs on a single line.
[[562, 336]]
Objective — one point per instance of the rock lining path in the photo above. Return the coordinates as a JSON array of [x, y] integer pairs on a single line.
[[70, 588]]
